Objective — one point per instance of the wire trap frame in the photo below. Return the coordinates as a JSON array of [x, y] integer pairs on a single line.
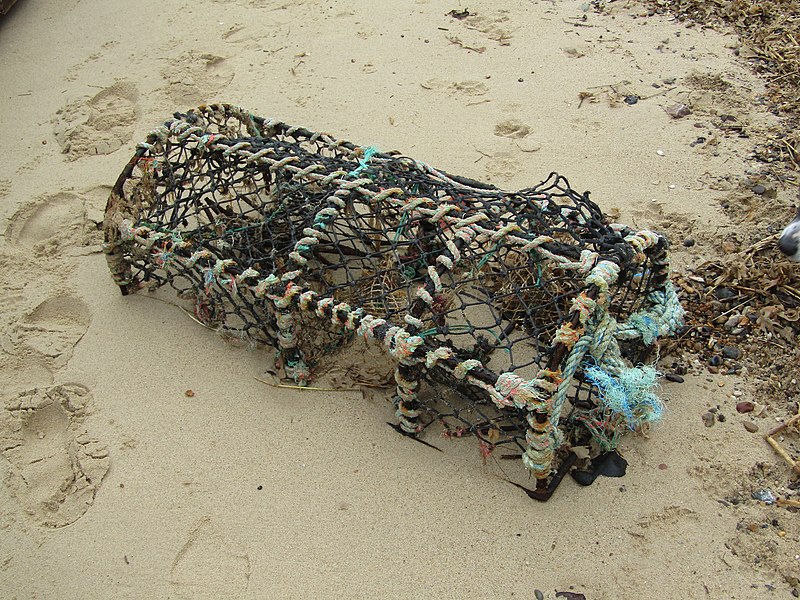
[[517, 317]]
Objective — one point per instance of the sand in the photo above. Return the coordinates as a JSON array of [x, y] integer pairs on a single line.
[[118, 484]]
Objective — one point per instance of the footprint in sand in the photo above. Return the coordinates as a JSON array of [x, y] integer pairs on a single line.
[[465, 88], [512, 128], [493, 26], [99, 125], [22, 372], [679, 521], [502, 167], [51, 222], [272, 5], [54, 328], [74, 71], [48, 222], [211, 564], [55, 466], [194, 77]]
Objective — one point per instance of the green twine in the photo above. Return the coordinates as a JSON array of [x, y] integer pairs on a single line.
[[488, 256], [363, 163], [408, 273], [452, 328], [538, 282], [401, 227], [256, 130], [243, 228], [461, 329]]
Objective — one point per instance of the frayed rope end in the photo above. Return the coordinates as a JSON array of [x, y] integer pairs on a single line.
[[631, 395]]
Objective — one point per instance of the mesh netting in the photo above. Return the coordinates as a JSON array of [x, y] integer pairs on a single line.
[[499, 300]]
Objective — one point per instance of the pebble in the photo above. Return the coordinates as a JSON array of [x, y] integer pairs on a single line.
[[732, 352], [539, 595], [678, 110], [674, 378], [750, 426], [632, 99], [744, 407], [715, 360], [688, 242], [758, 189], [764, 495], [660, 152], [724, 293], [732, 321], [708, 419]]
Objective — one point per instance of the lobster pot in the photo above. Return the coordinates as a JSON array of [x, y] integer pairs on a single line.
[[520, 318]]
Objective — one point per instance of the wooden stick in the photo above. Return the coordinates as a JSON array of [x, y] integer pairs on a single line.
[[307, 387], [794, 464]]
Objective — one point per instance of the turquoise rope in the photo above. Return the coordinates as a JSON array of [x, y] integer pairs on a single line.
[[629, 395], [364, 162]]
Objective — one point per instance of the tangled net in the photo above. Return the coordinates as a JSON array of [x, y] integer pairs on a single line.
[[501, 300]]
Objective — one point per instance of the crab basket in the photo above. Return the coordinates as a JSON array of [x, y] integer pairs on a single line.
[[520, 318]]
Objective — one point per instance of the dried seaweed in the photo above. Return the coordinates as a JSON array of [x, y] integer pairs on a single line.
[[743, 317]]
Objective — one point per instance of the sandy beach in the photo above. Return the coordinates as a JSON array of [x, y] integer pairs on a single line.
[[119, 483]]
